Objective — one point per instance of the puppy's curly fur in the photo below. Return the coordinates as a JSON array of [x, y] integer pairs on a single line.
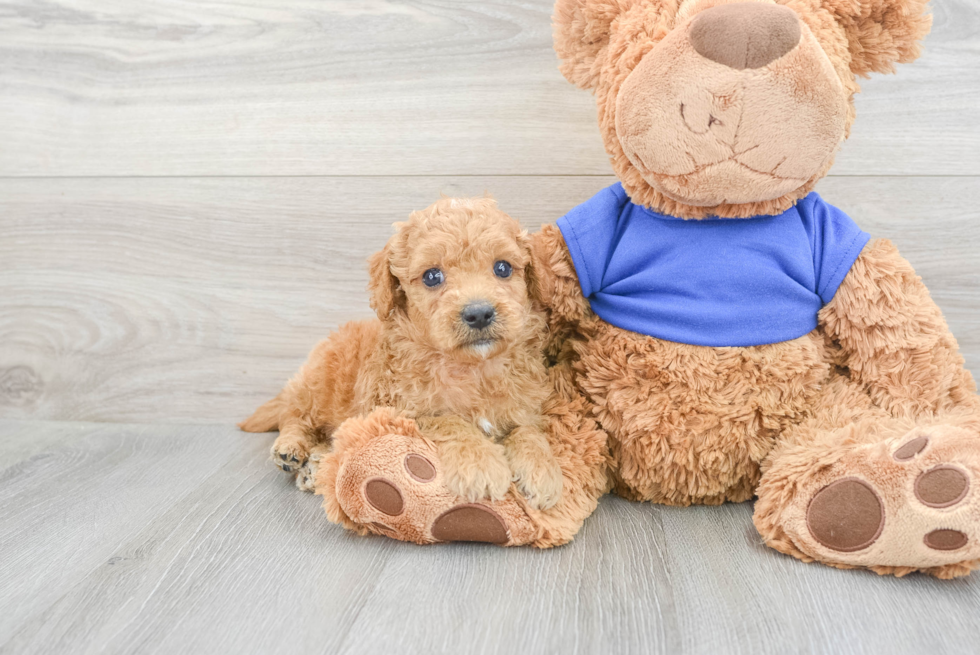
[[476, 391]]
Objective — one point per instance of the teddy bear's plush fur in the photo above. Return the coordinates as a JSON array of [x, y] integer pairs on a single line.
[[860, 439]]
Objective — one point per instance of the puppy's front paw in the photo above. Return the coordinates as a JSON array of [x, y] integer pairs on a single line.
[[306, 476], [476, 472], [538, 478], [289, 452]]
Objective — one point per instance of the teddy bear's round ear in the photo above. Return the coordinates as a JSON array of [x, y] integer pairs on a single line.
[[881, 33], [581, 32]]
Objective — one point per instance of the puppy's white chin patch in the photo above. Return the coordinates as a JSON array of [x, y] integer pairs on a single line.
[[482, 347], [485, 425]]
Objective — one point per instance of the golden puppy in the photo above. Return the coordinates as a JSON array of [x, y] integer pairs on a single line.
[[458, 344]]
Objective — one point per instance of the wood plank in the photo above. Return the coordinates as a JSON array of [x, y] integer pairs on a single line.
[[609, 592], [25, 439], [122, 558], [904, 121], [793, 607], [195, 299], [71, 503], [349, 87], [221, 561], [735, 595]]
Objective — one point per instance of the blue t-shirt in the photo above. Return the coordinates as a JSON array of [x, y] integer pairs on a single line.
[[711, 282]]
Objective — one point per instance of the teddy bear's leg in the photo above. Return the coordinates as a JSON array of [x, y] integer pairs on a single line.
[[384, 476], [854, 487]]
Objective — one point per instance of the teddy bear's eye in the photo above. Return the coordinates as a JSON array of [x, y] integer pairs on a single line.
[[433, 277], [502, 269]]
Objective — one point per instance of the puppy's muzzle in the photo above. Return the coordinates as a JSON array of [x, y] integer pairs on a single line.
[[478, 315]]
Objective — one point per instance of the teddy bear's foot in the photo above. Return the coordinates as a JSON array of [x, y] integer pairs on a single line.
[[398, 488], [395, 485], [900, 505]]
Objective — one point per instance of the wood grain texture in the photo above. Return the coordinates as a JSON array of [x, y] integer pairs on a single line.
[[378, 87], [129, 538], [161, 300]]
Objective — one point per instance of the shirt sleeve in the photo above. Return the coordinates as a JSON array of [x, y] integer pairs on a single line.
[[589, 231], [836, 241]]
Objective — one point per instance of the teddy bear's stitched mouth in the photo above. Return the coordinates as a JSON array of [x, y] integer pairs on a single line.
[[675, 186], [682, 177]]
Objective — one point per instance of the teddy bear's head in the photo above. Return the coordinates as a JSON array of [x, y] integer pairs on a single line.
[[729, 107]]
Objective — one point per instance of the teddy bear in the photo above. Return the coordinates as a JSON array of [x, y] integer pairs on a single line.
[[719, 332]]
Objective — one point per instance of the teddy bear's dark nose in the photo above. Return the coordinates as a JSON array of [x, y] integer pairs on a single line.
[[745, 34], [478, 315]]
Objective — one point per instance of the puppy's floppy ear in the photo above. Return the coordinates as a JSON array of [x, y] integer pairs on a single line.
[[581, 33], [881, 33], [530, 279], [385, 289]]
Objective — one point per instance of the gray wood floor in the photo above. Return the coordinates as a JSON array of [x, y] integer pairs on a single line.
[[148, 538], [188, 191]]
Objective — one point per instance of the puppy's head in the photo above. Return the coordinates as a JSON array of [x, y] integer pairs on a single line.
[[455, 276]]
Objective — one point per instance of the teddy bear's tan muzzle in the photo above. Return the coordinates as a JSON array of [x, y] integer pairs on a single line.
[[739, 104]]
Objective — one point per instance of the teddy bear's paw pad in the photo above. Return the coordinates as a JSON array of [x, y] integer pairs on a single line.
[[470, 523], [942, 486], [911, 448], [946, 540], [420, 468], [384, 496], [846, 515]]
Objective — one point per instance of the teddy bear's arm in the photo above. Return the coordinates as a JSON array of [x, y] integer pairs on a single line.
[[893, 337]]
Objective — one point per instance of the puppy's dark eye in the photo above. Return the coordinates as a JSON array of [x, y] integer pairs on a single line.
[[502, 269], [433, 277]]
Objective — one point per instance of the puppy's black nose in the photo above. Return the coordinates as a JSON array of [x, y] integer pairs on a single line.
[[478, 315]]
